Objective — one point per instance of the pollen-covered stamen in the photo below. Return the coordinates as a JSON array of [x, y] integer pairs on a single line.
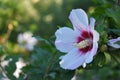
[[83, 44]]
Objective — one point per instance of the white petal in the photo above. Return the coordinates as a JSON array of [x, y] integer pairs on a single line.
[[27, 35], [79, 19], [29, 47], [32, 41], [113, 41], [20, 38], [90, 54], [95, 36], [65, 38], [118, 38], [75, 77], [72, 60], [84, 65], [64, 46], [115, 45], [92, 23]]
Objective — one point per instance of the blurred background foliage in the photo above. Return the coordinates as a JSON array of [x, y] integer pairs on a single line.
[[42, 18]]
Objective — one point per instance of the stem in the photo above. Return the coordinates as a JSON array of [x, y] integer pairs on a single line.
[[10, 28], [49, 66]]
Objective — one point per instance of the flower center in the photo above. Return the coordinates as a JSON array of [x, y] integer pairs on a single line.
[[83, 44]]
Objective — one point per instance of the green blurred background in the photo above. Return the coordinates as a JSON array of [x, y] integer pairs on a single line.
[[38, 16], [42, 18]]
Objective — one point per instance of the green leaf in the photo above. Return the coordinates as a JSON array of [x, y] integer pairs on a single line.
[[107, 57], [115, 55], [11, 67], [115, 31], [1, 75], [42, 39], [114, 14]]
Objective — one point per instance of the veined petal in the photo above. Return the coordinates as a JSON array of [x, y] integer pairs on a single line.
[[65, 38], [72, 60], [92, 23], [79, 19], [95, 36], [90, 54]]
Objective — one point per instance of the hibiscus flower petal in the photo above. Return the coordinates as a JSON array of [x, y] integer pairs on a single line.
[[92, 23], [64, 46], [95, 36], [65, 38], [79, 19], [70, 41], [72, 60], [89, 55], [112, 42]]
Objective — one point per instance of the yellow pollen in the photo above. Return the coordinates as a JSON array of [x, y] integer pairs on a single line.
[[83, 44]]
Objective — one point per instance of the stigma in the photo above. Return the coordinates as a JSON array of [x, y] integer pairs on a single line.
[[83, 44]]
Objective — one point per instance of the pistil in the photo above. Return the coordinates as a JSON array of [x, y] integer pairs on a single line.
[[83, 44]]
